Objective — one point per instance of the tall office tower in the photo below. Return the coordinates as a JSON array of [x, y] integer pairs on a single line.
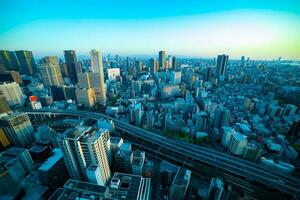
[[97, 67], [153, 66], [138, 162], [128, 65], [26, 61], [123, 158], [238, 143], [216, 189], [208, 74], [170, 62], [221, 118], [162, 60], [201, 121], [150, 120], [8, 61], [136, 114], [180, 184], [83, 146], [138, 65], [13, 94], [113, 146], [86, 96], [18, 128], [93, 80], [4, 106], [174, 63], [50, 71], [242, 61], [222, 61], [73, 66]]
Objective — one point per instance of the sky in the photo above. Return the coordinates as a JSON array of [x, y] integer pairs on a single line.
[[197, 28]]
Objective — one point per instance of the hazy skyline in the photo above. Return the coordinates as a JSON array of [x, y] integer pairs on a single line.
[[257, 29]]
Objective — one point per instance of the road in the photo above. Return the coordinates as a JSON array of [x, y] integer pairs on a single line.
[[227, 163]]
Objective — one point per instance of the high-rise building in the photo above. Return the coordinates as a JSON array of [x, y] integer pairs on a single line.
[[136, 114], [18, 128], [73, 66], [92, 80], [216, 189], [252, 152], [50, 72], [170, 60], [74, 189], [53, 172], [10, 76], [86, 96], [4, 141], [138, 162], [180, 184], [123, 158], [8, 61], [174, 63], [221, 118], [153, 66], [23, 156], [97, 67], [138, 65], [208, 74], [26, 61], [238, 143], [129, 186], [13, 94], [83, 146], [4, 106], [114, 143], [222, 61], [113, 74], [242, 61], [162, 60], [201, 121], [94, 174]]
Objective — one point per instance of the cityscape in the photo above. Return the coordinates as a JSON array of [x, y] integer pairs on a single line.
[[128, 113]]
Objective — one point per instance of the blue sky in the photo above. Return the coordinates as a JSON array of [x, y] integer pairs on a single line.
[[204, 28]]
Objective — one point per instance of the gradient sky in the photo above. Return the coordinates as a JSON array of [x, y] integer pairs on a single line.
[[262, 29]]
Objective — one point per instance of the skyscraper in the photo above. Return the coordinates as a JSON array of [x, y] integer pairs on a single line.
[[216, 189], [180, 184], [86, 96], [153, 66], [201, 121], [97, 67], [83, 146], [221, 118], [50, 72], [13, 94], [162, 60], [174, 63], [93, 80], [208, 74], [221, 67], [26, 61], [8, 61], [4, 107], [242, 61], [18, 128], [73, 66]]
